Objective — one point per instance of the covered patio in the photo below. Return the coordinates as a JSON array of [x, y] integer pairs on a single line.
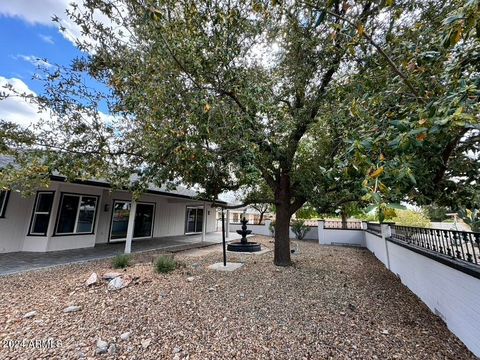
[[17, 262]]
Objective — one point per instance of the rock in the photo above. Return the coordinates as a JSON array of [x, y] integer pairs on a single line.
[[116, 284], [102, 347], [342, 313], [93, 279], [177, 349], [385, 332], [125, 336], [81, 355], [176, 357], [72, 308], [211, 289], [110, 275], [146, 343], [112, 349], [190, 278], [30, 315], [242, 295]]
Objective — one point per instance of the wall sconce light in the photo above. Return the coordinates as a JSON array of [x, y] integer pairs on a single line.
[[107, 207]]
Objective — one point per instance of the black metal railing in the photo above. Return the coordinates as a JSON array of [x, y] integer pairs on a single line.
[[460, 245], [349, 225], [374, 227]]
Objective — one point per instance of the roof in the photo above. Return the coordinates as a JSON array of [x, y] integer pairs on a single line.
[[179, 191]]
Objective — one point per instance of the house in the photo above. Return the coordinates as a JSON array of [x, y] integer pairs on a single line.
[[85, 213], [252, 215]]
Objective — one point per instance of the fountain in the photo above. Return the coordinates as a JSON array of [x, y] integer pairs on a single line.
[[243, 245]]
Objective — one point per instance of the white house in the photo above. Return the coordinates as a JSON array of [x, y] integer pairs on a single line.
[[85, 213]]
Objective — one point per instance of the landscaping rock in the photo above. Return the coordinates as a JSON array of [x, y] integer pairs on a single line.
[[146, 343], [125, 336], [116, 284], [190, 278], [102, 347], [211, 289], [30, 315], [93, 279], [112, 349], [72, 308], [110, 275]]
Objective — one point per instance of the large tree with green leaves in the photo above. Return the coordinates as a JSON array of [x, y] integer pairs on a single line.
[[297, 95]]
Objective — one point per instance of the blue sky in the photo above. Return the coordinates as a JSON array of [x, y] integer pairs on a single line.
[[28, 36], [23, 43]]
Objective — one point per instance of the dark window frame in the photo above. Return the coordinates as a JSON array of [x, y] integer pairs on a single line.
[[196, 207], [62, 194], [3, 205], [138, 202], [34, 212]]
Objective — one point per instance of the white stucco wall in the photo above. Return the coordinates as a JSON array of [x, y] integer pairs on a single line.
[[14, 225], [449, 293], [376, 244], [343, 237]]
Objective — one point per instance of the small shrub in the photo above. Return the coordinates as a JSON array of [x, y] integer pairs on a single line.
[[121, 261], [299, 229], [271, 227], [165, 264]]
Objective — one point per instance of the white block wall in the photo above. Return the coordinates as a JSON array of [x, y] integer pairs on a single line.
[[376, 245], [449, 293]]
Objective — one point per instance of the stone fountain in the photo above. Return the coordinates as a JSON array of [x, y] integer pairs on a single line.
[[243, 245]]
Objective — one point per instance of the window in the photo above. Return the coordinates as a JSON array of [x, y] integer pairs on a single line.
[[41, 213], [76, 214], [194, 219], [3, 202]]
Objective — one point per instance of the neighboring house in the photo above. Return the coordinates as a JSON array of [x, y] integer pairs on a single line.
[[251, 214], [85, 213]]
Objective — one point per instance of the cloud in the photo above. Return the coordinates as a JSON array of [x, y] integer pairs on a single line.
[[14, 108], [34, 12], [35, 61], [46, 38], [41, 12]]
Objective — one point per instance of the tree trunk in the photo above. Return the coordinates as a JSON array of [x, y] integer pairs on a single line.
[[261, 218], [282, 222], [344, 219]]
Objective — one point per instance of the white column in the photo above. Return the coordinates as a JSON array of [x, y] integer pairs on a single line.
[[131, 223], [321, 232], [204, 221], [386, 233], [227, 223]]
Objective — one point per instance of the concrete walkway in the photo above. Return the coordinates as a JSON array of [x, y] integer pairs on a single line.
[[17, 262]]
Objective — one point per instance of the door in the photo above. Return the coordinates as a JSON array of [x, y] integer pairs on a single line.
[[194, 220], [143, 224]]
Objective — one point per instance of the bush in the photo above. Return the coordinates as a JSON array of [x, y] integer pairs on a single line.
[[271, 227], [165, 264], [299, 229], [411, 218], [121, 261]]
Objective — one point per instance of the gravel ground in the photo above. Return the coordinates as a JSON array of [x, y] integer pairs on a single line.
[[335, 302]]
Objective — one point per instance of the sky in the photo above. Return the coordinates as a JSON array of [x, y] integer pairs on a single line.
[[28, 37]]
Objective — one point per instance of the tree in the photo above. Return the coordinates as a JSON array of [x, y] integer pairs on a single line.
[[294, 95]]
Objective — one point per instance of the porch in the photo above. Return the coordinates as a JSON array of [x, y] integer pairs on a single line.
[[17, 262]]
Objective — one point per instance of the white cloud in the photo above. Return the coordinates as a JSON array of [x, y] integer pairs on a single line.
[[34, 12], [41, 12], [34, 60], [14, 108], [46, 38]]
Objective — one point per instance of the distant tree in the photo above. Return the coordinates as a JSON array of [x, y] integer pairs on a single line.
[[435, 212], [411, 218]]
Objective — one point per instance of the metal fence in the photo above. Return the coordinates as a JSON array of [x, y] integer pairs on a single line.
[[461, 245], [374, 227], [349, 225]]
